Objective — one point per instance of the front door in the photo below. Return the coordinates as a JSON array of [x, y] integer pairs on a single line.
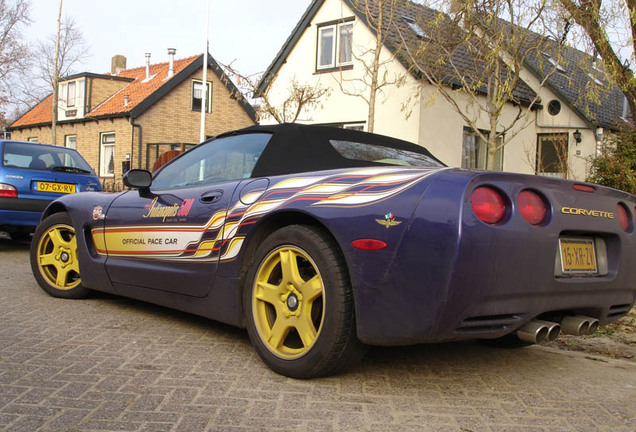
[[170, 237]]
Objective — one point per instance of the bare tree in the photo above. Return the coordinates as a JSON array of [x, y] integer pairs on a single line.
[[14, 52], [475, 57], [598, 20], [301, 98], [379, 17]]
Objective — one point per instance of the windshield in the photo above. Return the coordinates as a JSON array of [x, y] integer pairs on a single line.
[[223, 159], [40, 157]]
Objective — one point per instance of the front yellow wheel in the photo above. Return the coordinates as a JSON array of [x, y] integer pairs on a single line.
[[54, 258], [57, 257], [298, 304], [288, 302]]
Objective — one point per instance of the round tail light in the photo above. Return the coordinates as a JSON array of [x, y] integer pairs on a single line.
[[623, 217], [532, 207], [488, 205]]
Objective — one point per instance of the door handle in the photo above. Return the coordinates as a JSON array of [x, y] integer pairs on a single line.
[[211, 196]]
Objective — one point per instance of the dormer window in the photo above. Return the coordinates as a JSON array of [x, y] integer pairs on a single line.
[[334, 45]]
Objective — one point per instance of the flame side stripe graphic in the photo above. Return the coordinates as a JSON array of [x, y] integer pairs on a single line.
[[350, 189]]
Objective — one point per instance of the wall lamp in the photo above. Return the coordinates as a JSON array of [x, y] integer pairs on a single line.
[[577, 136]]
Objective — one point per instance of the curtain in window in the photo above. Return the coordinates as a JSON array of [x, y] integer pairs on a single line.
[[345, 43], [326, 46]]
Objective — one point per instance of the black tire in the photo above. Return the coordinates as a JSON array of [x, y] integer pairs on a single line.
[[298, 305], [509, 341], [54, 259]]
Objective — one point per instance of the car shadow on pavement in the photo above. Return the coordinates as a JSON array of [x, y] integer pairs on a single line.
[[14, 245]]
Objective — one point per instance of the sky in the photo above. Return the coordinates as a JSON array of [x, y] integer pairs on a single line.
[[246, 33]]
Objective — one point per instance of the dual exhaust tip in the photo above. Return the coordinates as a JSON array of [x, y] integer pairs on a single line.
[[537, 331]]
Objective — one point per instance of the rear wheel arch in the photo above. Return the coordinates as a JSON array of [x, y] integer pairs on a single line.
[[274, 222], [300, 313]]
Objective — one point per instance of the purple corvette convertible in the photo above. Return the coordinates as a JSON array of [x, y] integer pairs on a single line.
[[321, 241]]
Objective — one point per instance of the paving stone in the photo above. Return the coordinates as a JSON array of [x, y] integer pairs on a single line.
[[112, 364]]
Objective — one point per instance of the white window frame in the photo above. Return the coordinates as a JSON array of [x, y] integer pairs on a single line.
[[475, 152], [208, 95], [106, 147], [70, 93], [70, 141], [337, 31]]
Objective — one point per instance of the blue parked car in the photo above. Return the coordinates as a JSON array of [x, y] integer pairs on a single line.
[[31, 176]]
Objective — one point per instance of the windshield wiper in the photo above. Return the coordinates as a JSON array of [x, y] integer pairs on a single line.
[[70, 169]]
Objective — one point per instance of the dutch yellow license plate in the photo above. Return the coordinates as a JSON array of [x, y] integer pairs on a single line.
[[64, 188], [578, 256]]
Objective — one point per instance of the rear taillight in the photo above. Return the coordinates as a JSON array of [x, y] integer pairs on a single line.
[[8, 191], [623, 217], [532, 207], [488, 204]]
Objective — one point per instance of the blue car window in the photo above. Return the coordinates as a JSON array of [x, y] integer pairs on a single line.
[[223, 159], [41, 157]]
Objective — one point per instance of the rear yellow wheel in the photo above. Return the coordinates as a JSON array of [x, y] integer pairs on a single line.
[[299, 306], [54, 258], [288, 302]]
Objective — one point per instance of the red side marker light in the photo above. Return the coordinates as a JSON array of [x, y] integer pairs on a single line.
[[488, 205], [368, 244], [532, 207]]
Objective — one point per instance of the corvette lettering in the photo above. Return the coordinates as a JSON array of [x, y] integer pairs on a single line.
[[586, 212]]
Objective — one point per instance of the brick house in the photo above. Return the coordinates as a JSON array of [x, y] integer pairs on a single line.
[[131, 117]]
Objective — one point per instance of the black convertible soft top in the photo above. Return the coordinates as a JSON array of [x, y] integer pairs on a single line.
[[296, 148]]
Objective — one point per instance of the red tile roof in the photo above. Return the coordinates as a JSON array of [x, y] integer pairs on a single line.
[[137, 90]]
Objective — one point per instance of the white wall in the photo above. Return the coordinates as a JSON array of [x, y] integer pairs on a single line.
[[414, 113]]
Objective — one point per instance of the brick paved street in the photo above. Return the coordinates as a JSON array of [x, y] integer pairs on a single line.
[[112, 364]]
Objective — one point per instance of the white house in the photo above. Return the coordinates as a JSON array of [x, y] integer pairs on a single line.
[[327, 48]]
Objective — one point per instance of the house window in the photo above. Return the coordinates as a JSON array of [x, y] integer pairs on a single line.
[[70, 95], [475, 151], [197, 96], [107, 155], [70, 141], [552, 155], [334, 45]]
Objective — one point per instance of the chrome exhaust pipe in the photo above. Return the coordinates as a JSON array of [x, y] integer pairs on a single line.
[[594, 324], [577, 325], [554, 329], [533, 332]]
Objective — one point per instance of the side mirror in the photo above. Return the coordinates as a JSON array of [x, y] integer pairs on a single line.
[[138, 179]]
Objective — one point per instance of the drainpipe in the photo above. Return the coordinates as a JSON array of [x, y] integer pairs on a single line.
[[132, 142]]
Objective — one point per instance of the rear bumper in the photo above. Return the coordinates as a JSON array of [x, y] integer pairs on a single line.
[[21, 212]]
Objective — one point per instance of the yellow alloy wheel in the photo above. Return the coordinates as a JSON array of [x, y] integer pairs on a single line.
[[288, 302], [57, 257]]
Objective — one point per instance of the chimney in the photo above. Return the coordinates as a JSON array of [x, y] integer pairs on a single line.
[[171, 53], [147, 66], [126, 99], [117, 64]]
